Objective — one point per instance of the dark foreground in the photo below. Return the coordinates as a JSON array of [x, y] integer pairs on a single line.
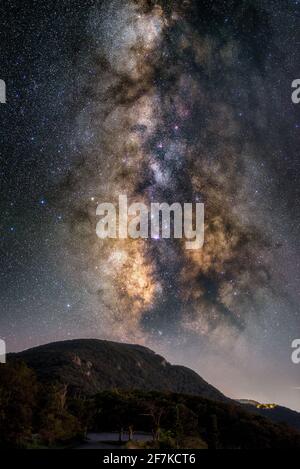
[[107, 440], [47, 415]]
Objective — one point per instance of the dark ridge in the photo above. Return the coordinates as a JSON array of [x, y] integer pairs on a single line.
[[90, 365]]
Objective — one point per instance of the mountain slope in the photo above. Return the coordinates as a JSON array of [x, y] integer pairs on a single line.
[[273, 412], [90, 365]]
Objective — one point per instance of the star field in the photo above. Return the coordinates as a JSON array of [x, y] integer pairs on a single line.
[[164, 101]]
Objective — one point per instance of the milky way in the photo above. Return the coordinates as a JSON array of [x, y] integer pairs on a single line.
[[162, 106], [186, 102]]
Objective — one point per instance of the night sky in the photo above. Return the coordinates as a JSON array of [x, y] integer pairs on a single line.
[[165, 101]]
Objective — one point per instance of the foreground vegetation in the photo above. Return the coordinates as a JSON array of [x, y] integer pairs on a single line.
[[33, 414]]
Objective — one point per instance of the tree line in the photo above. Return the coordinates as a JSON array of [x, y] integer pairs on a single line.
[[34, 415]]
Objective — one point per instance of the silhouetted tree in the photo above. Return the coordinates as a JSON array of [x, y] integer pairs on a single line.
[[213, 432], [18, 400]]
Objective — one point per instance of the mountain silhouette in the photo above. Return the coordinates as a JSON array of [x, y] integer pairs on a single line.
[[89, 366]]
